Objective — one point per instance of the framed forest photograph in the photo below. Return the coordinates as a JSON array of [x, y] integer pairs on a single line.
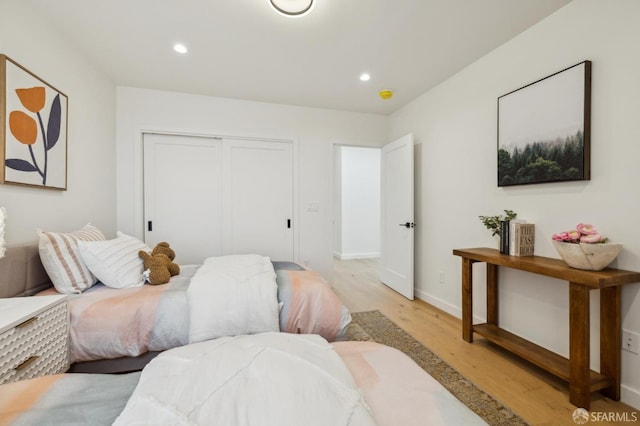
[[544, 129]]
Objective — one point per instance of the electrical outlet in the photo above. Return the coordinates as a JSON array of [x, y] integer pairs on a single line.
[[630, 341], [441, 277]]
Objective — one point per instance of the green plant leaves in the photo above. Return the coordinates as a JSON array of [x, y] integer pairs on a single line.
[[492, 223]]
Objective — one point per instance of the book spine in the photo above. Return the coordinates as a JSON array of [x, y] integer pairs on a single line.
[[512, 235], [504, 236], [512, 240]]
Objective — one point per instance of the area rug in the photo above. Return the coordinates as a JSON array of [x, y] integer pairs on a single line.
[[374, 326]]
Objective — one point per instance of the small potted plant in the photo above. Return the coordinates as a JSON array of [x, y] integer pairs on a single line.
[[492, 223]]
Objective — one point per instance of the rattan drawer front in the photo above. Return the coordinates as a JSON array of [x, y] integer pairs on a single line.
[[38, 346]]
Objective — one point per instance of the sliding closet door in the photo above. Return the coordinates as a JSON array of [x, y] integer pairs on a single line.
[[211, 197], [183, 195], [258, 198]]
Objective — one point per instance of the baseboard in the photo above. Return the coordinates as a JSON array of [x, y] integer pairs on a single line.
[[352, 256], [445, 306], [630, 396], [439, 303]]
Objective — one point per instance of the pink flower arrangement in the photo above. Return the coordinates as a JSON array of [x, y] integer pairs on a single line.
[[584, 233]]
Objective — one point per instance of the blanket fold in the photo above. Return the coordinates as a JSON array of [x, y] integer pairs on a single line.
[[231, 295]]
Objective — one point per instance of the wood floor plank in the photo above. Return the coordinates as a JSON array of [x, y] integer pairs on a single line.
[[535, 395]]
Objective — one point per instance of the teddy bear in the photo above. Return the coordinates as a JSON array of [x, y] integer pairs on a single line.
[[159, 266]]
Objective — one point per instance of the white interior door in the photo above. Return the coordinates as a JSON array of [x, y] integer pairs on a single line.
[[183, 195], [397, 223], [258, 198]]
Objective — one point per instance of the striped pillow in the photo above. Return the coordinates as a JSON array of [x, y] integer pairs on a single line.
[[116, 262], [61, 258]]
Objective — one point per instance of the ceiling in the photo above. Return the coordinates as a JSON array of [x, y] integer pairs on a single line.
[[243, 49]]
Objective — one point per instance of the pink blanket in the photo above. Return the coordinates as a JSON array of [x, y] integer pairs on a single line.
[[110, 323]]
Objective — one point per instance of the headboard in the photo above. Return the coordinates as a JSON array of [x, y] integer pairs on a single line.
[[21, 271]]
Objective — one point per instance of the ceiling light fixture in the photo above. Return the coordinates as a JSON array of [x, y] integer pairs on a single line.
[[292, 8], [365, 77], [180, 48]]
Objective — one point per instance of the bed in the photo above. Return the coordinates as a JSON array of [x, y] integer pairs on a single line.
[[262, 379], [137, 322]]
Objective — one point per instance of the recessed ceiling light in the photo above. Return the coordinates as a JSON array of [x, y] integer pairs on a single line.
[[180, 48], [365, 77]]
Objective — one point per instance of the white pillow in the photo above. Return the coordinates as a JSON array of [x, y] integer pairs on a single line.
[[115, 262], [61, 259]]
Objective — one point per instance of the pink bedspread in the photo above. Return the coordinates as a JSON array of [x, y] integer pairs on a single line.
[[310, 306], [398, 391], [108, 323]]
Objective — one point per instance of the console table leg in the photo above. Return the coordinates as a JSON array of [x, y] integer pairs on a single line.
[[579, 370], [610, 339], [467, 300], [492, 294]]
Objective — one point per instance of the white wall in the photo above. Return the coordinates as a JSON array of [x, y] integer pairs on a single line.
[[314, 130], [27, 38], [337, 200], [455, 129], [360, 202]]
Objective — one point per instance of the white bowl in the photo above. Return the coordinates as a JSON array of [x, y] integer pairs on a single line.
[[592, 257]]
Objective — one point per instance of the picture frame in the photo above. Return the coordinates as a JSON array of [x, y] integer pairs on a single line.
[[544, 129], [33, 129]]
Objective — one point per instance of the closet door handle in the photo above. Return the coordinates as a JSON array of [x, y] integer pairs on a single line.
[[149, 225]]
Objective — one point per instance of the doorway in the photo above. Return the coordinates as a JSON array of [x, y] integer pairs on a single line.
[[356, 212], [356, 215], [379, 227]]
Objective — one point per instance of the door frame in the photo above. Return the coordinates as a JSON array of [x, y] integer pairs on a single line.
[[138, 183]]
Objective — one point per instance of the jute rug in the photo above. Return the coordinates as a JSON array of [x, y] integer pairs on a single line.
[[374, 326]]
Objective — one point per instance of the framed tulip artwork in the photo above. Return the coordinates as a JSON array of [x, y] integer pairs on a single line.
[[544, 131], [33, 129]]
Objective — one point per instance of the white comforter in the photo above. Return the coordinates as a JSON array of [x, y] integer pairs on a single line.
[[266, 379], [231, 295]]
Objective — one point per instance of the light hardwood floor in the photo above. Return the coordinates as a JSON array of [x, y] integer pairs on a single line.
[[538, 397]]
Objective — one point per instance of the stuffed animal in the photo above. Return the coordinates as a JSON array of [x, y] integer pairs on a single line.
[[159, 266], [164, 248]]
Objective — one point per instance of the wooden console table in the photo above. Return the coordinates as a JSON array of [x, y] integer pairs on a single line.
[[575, 370]]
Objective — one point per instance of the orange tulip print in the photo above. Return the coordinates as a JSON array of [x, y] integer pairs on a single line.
[[33, 99], [25, 129]]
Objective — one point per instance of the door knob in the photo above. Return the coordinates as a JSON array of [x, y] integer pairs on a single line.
[[408, 225]]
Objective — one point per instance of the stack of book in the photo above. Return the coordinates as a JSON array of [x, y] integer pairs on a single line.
[[517, 238]]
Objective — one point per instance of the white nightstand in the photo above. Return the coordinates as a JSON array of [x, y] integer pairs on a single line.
[[34, 337]]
